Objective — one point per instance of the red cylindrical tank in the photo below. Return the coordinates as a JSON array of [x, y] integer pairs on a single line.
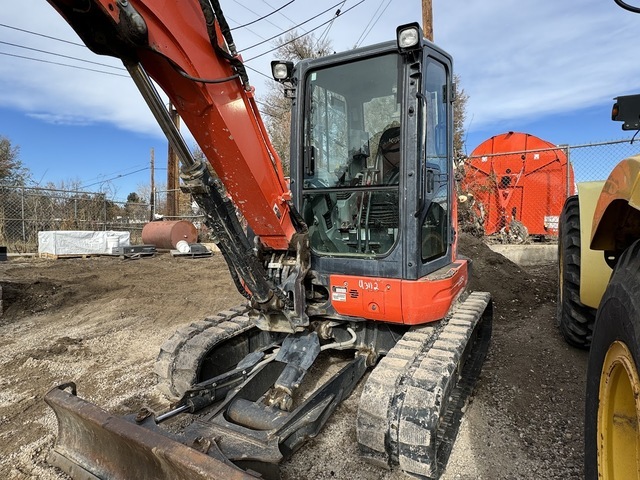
[[168, 234], [518, 176]]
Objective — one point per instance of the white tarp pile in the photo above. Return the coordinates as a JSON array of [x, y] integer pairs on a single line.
[[70, 242]]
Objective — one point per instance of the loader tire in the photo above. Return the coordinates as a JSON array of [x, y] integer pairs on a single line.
[[612, 415], [574, 319]]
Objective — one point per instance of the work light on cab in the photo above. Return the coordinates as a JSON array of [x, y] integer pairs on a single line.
[[409, 36], [281, 71]]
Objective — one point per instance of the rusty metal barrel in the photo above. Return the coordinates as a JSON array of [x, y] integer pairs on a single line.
[[168, 234]]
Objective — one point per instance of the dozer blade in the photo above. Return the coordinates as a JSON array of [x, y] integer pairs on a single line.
[[93, 444]]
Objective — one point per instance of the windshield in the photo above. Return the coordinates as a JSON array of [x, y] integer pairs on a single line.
[[353, 157]]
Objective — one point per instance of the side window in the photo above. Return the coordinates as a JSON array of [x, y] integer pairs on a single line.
[[434, 227], [437, 119], [434, 231]]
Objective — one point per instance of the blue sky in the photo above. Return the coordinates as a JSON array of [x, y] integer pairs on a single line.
[[544, 67]]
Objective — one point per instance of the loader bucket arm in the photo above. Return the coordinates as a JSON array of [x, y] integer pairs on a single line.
[[93, 444]]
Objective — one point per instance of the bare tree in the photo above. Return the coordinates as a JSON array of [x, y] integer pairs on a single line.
[[470, 215], [459, 117], [69, 185]]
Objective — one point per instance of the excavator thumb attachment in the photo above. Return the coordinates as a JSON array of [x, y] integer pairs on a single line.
[[93, 444]]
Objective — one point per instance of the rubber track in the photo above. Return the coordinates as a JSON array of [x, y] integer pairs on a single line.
[[574, 318], [411, 406], [180, 357]]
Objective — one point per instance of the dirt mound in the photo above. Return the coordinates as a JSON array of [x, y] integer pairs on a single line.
[[508, 283], [25, 298]]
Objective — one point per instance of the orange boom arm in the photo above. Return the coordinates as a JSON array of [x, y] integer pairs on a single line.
[[189, 58]]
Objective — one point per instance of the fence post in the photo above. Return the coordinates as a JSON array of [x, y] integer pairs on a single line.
[[568, 152], [24, 227]]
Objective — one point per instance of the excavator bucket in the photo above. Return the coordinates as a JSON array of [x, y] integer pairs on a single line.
[[93, 444]]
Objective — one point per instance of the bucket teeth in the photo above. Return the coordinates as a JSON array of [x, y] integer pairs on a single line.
[[411, 406]]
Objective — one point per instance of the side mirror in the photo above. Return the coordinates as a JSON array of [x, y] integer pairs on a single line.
[[627, 110]]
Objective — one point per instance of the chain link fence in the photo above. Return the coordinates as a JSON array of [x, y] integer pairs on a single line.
[[512, 196], [185, 207], [24, 211], [517, 196]]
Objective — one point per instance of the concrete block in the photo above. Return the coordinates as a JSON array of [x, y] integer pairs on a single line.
[[528, 255]]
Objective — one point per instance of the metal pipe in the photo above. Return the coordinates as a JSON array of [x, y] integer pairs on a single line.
[[24, 229], [339, 345], [171, 413]]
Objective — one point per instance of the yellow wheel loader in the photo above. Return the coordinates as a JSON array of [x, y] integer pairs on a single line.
[[599, 304]]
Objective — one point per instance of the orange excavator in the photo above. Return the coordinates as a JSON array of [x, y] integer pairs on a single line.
[[353, 262]]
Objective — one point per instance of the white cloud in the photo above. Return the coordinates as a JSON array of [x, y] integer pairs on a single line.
[[524, 59], [49, 91], [518, 58], [61, 119]]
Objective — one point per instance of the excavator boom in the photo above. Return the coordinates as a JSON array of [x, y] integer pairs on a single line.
[[182, 47], [186, 47]]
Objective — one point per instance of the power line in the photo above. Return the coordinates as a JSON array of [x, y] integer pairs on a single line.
[[265, 16], [114, 178], [293, 28], [330, 22], [43, 35], [81, 45], [369, 22], [326, 30], [259, 72], [75, 58], [364, 35], [271, 6], [114, 173], [63, 64], [255, 13], [300, 36], [61, 55], [248, 29]]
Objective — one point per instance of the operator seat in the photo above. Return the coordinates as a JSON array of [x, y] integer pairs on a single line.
[[384, 206], [389, 155]]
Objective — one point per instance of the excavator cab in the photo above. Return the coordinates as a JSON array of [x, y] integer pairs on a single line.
[[372, 138]]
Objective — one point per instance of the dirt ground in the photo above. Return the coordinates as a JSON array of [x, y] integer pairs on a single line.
[[100, 322]]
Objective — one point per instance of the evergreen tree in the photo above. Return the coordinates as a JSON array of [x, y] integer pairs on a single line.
[[12, 171]]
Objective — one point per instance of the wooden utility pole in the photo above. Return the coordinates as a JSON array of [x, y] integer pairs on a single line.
[[427, 19], [152, 196], [173, 176]]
